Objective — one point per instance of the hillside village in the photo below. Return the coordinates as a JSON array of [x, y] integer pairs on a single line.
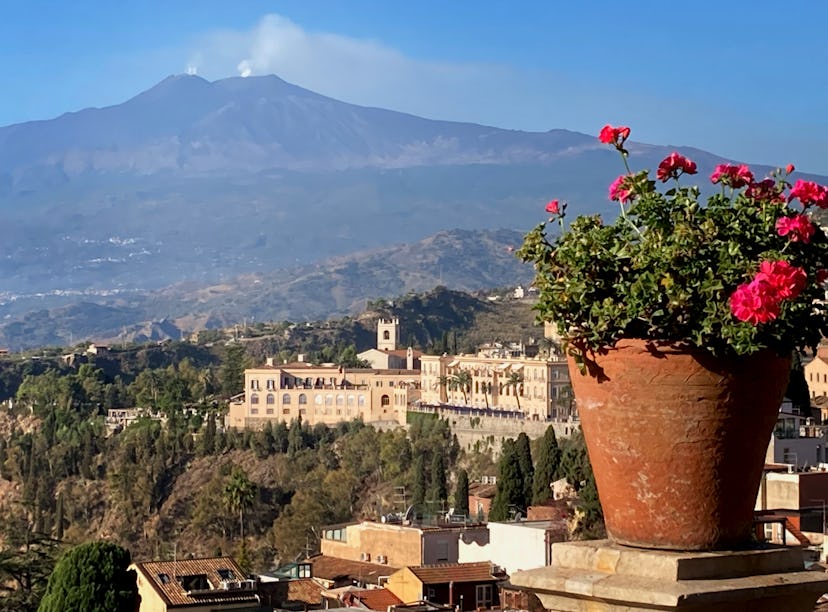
[[422, 548]]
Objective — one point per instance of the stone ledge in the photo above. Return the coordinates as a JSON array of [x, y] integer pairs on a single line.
[[607, 557]]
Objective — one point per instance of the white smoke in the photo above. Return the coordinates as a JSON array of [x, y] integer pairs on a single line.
[[244, 68]]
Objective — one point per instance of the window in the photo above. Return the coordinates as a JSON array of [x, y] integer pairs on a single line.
[[269, 411], [361, 400], [317, 399], [484, 596], [194, 582], [329, 400], [340, 400], [303, 399], [351, 400], [164, 578], [385, 401], [254, 399], [386, 335], [254, 411], [431, 594], [271, 384], [442, 551], [285, 410], [286, 398], [226, 574], [270, 399], [254, 384]]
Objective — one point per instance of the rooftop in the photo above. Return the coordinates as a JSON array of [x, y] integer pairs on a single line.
[[442, 573]]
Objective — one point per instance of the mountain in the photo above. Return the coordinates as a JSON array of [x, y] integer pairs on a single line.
[[202, 181], [462, 259], [195, 185]]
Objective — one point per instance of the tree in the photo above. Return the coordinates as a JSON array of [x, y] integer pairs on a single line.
[[462, 380], [232, 370], [239, 495], [515, 381], [439, 490], [461, 493], [527, 470], [92, 577], [509, 495], [418, 491], [547, 467]]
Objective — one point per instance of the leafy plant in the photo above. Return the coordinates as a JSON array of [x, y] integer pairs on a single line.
[[742, 272]]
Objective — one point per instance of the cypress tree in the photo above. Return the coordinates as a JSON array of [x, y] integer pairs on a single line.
[[439, 490], [461, 493], [509, 495], [527, 470], [418, 489], [547, 467]]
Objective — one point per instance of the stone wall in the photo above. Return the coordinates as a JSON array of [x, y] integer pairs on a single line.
[[490, 431]]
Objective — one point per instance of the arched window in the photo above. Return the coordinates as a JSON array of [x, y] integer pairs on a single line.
[[386, 335], [254, 399], [329, 400], [286, 398], [270, 399], [317, 399], [303, 399], [351, 400], [385, 401], [361, 400], [340, 400]]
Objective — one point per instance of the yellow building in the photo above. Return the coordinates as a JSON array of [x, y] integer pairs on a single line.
[[816, 374], [535, 386], [323, 393]]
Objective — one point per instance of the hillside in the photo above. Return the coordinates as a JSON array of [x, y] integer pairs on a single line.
[[459, 259]]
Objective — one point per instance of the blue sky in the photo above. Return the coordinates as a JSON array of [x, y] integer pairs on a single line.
[[742, 79]]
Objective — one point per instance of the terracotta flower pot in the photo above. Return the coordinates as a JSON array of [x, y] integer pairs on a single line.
[[677, 440]]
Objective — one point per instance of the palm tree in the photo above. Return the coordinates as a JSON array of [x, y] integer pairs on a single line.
[[239, 494], [462, 379], [515, 381], [444, 382]]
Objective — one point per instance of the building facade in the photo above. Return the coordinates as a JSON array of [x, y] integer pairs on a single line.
[[539, 388], [816, 374], [323, 394]]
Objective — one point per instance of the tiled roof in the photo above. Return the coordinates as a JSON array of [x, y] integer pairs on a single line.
[[333, 568], [455, 572], [304, 590], [164, 577], [376, 599]]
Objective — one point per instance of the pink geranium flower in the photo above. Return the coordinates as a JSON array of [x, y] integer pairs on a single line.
[[786, 281], [808, 192], [619, 190], [553, 207], [732, 176], [673, 166], [614, 135], [765, 190], [798, 228], [754, 302]]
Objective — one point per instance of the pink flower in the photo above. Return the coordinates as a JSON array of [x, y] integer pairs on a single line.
[[619, 190], [808, 192], [798, 227], [754, 302], [759, 300], [614, 135], [789, 168], [786, 281], [733, 176], [673, 166], [553, 207], [765, 190]]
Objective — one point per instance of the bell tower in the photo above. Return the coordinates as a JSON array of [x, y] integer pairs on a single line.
[[388, 334]]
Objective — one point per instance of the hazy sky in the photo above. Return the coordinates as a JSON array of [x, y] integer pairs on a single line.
[[746, 80]]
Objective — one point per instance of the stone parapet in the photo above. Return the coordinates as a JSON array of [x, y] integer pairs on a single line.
[[600, 576]]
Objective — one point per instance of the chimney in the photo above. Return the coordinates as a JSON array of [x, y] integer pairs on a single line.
[[409, 359], [269, 361], [300, 357]]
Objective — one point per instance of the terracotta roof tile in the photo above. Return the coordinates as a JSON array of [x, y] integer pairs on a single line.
[[377, 599], [165, 577], [333, 568], [455, 572], [304, 590]]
